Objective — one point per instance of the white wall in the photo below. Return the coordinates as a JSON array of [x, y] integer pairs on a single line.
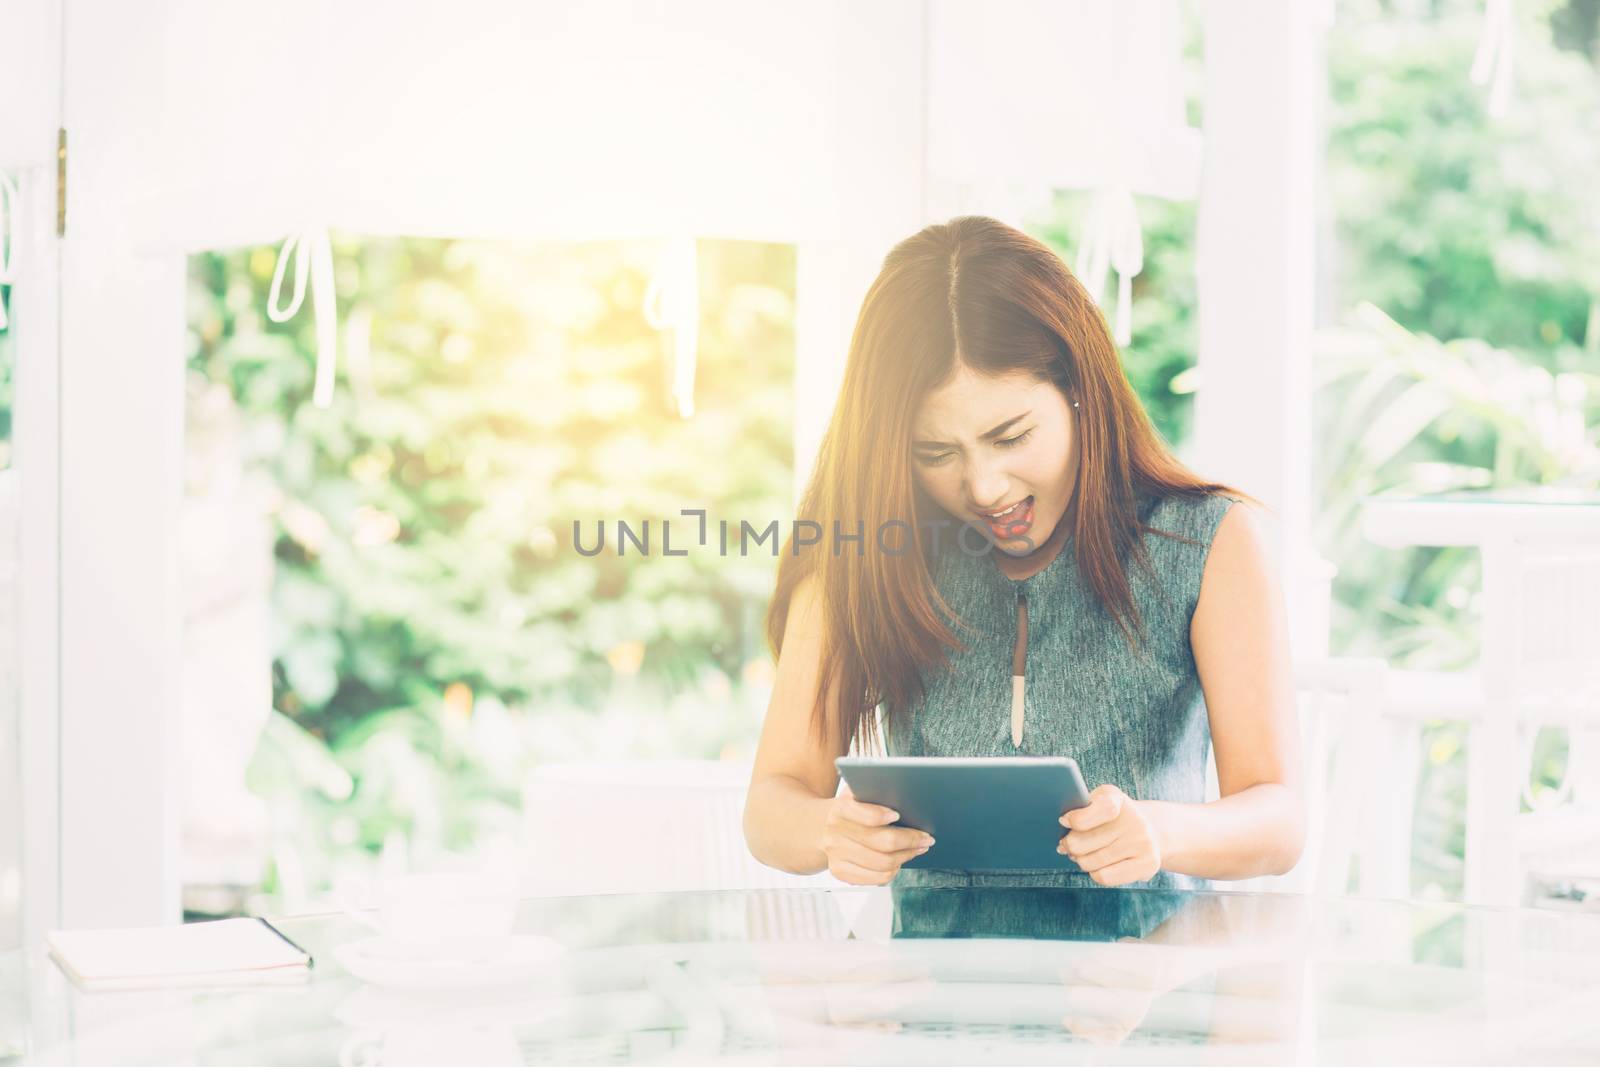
[[30, 89], [122, 352], [878, 112], [1254, 263]]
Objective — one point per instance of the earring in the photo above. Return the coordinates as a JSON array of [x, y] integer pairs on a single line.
[[1074, 403]]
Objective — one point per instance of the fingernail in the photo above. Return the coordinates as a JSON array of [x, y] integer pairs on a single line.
[[894, 816], [921, 850], [927, 841]]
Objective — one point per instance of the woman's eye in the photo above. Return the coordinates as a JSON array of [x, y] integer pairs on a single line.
[[934, 461], [1013, 442]]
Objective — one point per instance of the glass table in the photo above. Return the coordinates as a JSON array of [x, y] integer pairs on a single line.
[[937, 976]]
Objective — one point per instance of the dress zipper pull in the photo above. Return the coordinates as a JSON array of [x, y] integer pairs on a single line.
[[1019, 650]]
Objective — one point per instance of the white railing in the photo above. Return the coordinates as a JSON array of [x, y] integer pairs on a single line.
[[1539, 665]]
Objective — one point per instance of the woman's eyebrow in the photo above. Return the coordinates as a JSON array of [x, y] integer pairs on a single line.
[[987, 435]]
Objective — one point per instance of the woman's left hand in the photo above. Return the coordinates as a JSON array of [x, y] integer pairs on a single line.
[[1113, 838]]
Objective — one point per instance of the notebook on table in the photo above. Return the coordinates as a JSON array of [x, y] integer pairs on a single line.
[[220, 952]]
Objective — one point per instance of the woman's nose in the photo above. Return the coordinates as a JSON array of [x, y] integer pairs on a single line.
[[986, 486]]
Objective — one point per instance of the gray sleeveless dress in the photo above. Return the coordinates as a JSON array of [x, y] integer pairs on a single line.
[[1130, 715]]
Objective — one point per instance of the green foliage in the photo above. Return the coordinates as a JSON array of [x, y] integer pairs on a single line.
[[1465, 262], [432, 616], [1454, 223], [1159, 360], [8, 363], [1402, 411]]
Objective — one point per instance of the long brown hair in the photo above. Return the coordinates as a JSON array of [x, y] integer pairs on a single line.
[[977, 292]]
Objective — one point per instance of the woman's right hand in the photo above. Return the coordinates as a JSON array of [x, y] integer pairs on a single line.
[[862, 848]]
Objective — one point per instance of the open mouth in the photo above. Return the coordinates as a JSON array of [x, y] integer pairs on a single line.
[[1013, 522]]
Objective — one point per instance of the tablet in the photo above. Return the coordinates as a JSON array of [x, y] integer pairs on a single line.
[[997, 813]]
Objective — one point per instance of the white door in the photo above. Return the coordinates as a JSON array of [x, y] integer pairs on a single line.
[[30, 95]]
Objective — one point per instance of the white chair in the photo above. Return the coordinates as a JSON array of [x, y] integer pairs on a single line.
[[661, 826], [643, 827], [1552, 678], [1359, 771], [1541, 624]]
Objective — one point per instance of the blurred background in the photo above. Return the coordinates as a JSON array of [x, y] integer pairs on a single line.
[[330, 381]]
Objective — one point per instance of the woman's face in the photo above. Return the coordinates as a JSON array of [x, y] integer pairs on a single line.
[[980, 445]]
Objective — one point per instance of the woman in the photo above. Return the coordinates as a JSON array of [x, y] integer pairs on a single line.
[[1115, 609]]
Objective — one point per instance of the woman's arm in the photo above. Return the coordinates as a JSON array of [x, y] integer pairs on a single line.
[[1241, 649], [792, 819], [1240, 636]]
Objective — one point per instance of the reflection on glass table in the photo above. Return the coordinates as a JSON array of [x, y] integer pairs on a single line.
[[946, 976]]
